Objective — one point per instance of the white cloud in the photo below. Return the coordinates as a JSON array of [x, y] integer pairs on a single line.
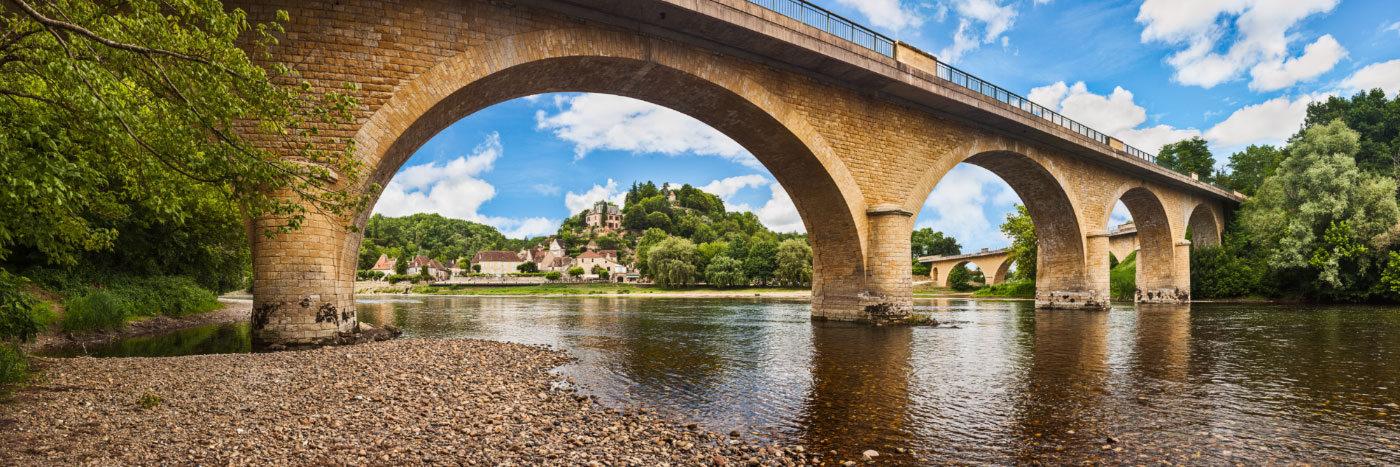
[[453, 190], [577, 202], [1317, 58], [1270, 122], [1384, 75], [728, 187], [608, 122], [957, 202], [1393, 27], [1256, 32], [1115, 114], [979, 22], [888, 14], [1119, 216], [778, 214]]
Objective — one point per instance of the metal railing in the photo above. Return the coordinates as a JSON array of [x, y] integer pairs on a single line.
[[832, 23]]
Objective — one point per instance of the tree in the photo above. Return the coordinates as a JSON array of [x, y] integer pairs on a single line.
[[1019, 227], [920, 269], [649, 239], [1321, 213], [1250, 167], [401, 266], [762, 261], [672, 262], [926, 242], [1375, 118], [706, 252], [476, 268], [109, 107], [600, 271], [724, 271], [1187, 156], [659, 220], [553, 275], [794, 262], [575, 272], [959, 277], [528, 267]]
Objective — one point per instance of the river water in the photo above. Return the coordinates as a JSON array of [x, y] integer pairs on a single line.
[[998, 382]]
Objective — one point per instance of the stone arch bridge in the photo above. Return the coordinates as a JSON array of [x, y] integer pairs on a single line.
[[856, 127], [994, 265]]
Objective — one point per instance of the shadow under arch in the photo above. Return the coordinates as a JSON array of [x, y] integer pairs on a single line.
[[1059, 241], [825, 195], [1205, 228], [1156, 254]]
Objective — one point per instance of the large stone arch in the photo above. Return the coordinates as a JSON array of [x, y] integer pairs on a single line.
[[309, 298], [1157, 243], [1060, 265], [1206, 224]]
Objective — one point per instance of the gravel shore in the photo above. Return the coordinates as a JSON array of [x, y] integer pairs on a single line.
[[446, 402]]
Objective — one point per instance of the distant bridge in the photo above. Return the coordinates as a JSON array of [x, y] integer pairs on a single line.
[[858, 128], [992, 263]]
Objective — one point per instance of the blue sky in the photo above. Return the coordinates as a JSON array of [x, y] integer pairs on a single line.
[[1235, 72]]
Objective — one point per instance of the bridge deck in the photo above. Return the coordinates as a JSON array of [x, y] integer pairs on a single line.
[[746, 29], [980, 254]]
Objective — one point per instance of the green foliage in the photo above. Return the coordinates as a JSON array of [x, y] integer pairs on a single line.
[[1250, 167], [926, 242], [18, 320], [761, 263], [1017, 288], [920, 269], [123, 115], [1122, 279], [553, 275], [476, 268], [1187, 156], [1112, 261], [430, 235], [1315, 190], [149, 401], [1375, 118], [575, 271], [401, 266], [1231, 270], [365, 275], [1019, 227], [794, 262], [95, 311], [959, 278], [671, 263], [14, 367], [724, 271], [528, 266], [397, 278]]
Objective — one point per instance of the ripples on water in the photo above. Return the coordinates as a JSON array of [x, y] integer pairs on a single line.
[[1210, 383]]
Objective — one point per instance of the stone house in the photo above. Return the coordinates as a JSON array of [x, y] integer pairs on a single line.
[[422, 263], [589, 259], [497, 263], [385, 264], [604, 216]]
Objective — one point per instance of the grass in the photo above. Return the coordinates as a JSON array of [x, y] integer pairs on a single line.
[[1009, 289], [1122, 280], [14, 369], [96, 311], [581, 289]]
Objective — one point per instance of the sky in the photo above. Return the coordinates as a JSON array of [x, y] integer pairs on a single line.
[[1234, 72]]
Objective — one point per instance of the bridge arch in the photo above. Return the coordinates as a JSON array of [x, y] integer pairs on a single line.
[[1205, 224], [570, 60], [1060, 262], [1157, 275]]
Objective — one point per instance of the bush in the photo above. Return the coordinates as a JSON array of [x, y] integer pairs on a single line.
[[397, 278], [163, 295], [17, 318], [527, 267], [13, 367], [1122, 280], [959, 278], [94, 311], [1024, 288], [575, 271], [553, 275]]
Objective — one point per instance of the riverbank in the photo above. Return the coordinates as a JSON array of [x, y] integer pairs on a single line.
[[414, 402], [233, 310], [590, 290]]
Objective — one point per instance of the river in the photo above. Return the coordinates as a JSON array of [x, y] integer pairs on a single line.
[[998, 382]]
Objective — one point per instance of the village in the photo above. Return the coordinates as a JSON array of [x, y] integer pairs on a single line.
[[546, 261]]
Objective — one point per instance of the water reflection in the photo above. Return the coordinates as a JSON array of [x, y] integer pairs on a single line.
[[1209, 383]]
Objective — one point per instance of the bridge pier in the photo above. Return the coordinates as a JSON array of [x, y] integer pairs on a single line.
[[1167, 283], [888, 292], [302, 296]]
